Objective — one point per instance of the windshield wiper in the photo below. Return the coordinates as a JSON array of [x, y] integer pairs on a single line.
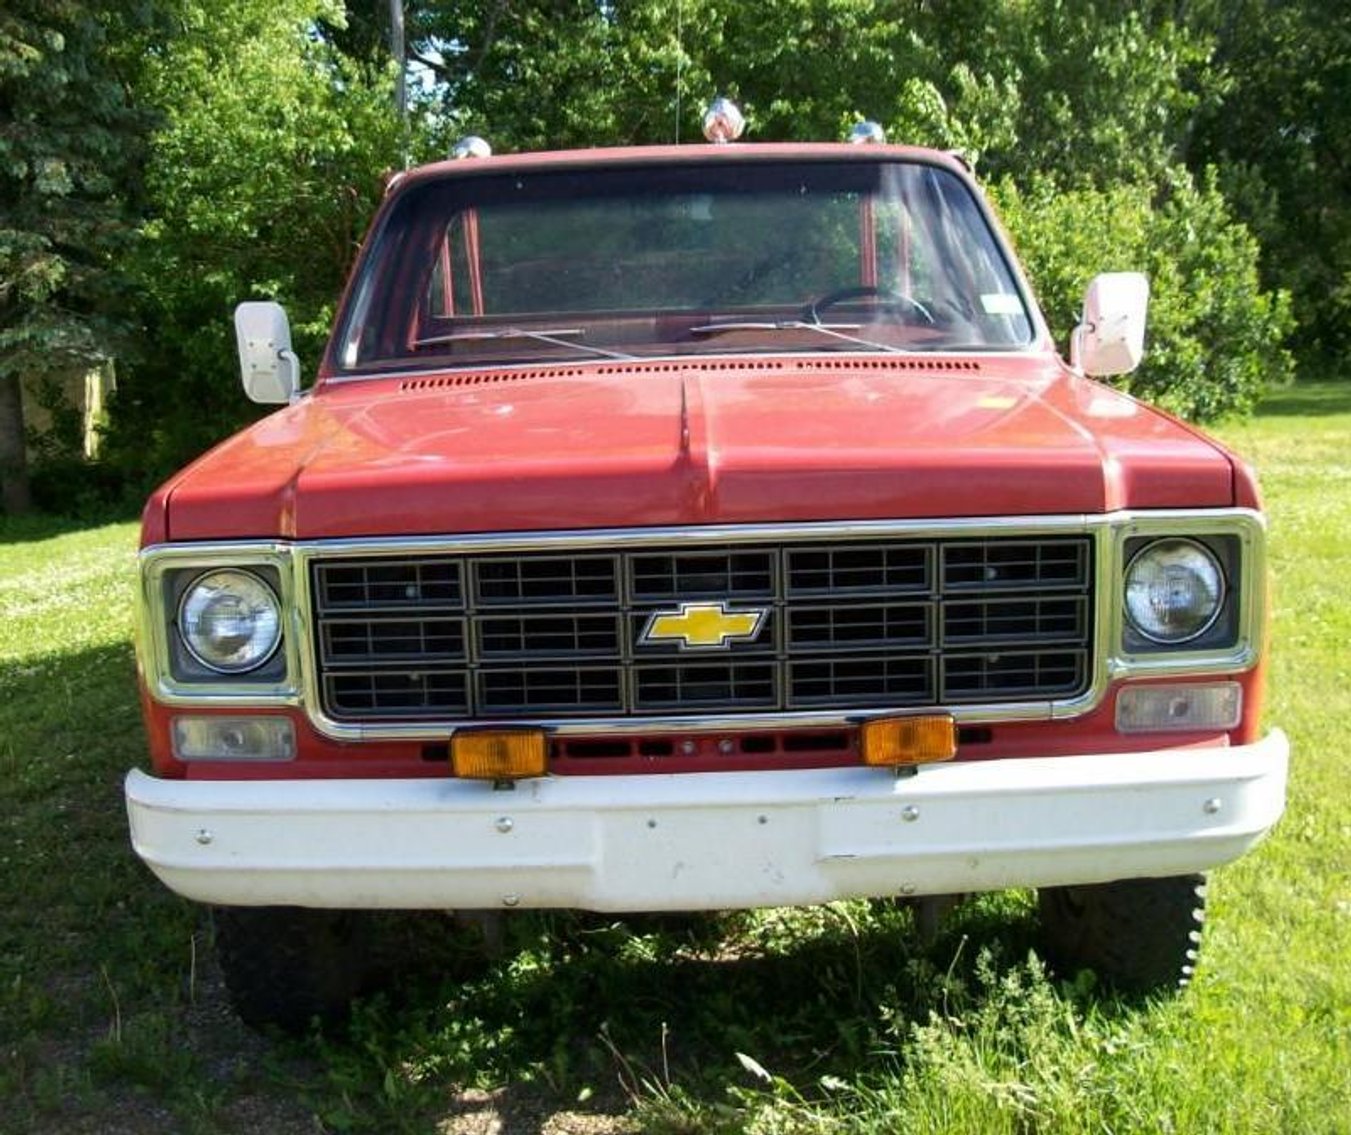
[[833, 330], [552, 336]]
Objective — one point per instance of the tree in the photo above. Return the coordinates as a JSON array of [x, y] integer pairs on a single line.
[[1015, 79], [1279, 141], [69, 138], [267, 163]]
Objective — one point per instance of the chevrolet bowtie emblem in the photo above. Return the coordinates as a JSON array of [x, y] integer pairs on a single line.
[[706, 625]]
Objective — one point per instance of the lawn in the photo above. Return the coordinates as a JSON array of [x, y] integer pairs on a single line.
[[112, 1017]]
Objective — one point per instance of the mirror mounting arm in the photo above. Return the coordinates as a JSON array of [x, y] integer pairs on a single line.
[[290, 366], [1077, 348]]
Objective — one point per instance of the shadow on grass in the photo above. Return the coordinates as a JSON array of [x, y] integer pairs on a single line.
[[35, 527], [78, 913], [619, 1012], [1307, 400], [101, 968]]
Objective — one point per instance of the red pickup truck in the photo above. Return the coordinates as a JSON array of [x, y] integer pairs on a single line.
[[693, 528]]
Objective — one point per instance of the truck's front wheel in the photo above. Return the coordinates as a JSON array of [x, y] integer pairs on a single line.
[[286, 966], [1137, 935]]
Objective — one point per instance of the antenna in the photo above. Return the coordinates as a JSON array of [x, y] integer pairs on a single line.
[[680, 62], [396, 49]]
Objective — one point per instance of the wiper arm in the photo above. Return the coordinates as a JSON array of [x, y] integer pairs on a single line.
[[833, 330], [552, 336]]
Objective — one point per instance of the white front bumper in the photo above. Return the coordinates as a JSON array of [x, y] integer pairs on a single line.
[[710, 840]]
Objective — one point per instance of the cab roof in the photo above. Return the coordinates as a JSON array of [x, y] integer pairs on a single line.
[[693, 154]]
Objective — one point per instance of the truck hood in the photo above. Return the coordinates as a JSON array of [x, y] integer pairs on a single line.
[[694, 442]]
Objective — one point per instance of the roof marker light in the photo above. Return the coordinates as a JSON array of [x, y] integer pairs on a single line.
[[723, 122], [471, 146], [867, 134]]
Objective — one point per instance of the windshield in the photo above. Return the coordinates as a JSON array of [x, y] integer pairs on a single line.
[[624, 262]]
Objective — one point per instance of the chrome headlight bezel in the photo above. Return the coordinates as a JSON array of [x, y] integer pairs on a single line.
[[1232, 640], [173, 673]]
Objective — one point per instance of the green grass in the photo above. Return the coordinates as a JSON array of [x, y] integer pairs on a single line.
[[832, 1019]]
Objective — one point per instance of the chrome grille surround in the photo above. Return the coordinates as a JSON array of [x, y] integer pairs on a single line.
[[873, 624], [1112, 657]]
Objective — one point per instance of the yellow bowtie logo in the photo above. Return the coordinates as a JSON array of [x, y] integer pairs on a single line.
[[706, 625]]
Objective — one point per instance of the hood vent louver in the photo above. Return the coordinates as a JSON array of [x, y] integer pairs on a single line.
[[804, 366]]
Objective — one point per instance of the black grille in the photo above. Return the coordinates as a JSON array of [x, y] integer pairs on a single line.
[[861, 624]]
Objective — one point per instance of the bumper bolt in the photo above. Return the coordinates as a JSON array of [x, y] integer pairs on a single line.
[[910, 813], [504, 824], [204, 837], [1211, 806]]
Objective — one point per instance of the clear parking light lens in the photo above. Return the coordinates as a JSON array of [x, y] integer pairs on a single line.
[[230, 621], [1179, 708], [1174, 589], [234, 738]]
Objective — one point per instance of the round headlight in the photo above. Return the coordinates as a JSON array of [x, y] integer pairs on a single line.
[[230, 621], [1174, 590]]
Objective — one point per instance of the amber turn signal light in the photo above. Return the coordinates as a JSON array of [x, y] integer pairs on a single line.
[[897, 742], [499, 754]]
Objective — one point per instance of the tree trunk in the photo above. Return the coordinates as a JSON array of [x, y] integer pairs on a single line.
[[14, 494]]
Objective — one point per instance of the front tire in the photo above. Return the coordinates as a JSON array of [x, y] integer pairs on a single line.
[[1136, 935], [286, 966]]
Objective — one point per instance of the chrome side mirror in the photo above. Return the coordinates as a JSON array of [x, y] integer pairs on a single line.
[[1110, 338], [267, 365]]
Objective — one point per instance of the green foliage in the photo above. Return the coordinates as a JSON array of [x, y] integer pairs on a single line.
[[1279, 142], [543, 74], [1215, 338], [68, 134], [1009, 81], [260, 183], [69, 140], [1087, 93]]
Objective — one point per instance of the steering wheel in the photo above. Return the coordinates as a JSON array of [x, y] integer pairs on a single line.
[[889, 297]]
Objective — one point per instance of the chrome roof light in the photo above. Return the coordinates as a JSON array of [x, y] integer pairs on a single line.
[[723, 121], [471, 146], [867, 134]]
